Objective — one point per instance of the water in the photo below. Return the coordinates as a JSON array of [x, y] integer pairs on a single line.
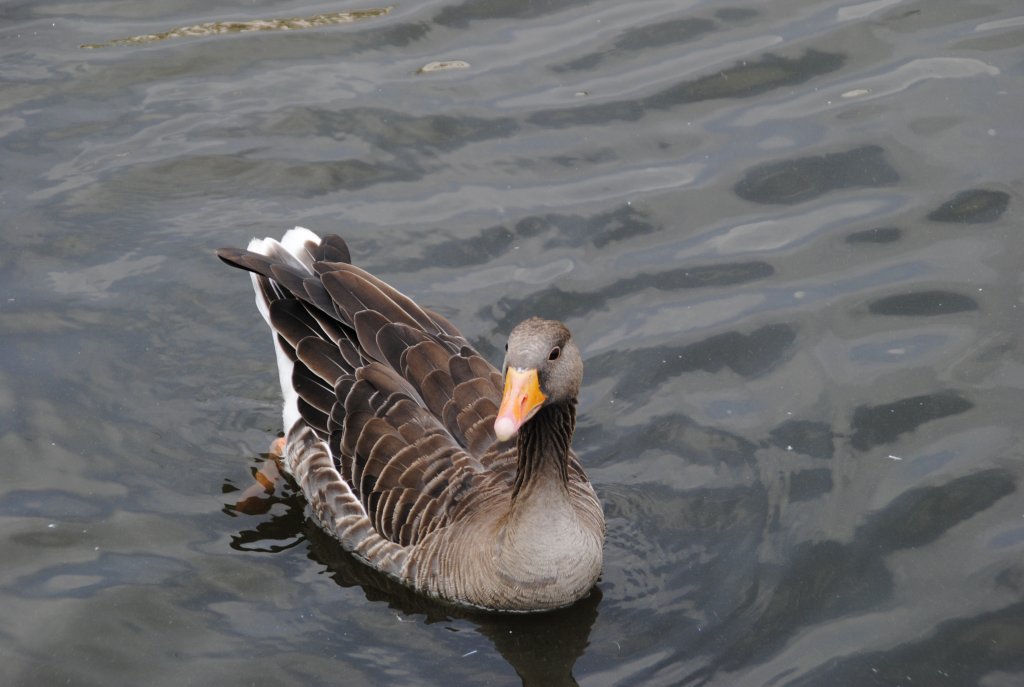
[[786, 235]]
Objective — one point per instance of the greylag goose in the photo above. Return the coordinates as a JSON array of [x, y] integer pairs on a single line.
[[420, 457]]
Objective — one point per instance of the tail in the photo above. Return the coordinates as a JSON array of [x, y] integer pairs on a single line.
[[294, 255]]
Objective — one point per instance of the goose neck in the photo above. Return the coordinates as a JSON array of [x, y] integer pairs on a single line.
[[543, 448]]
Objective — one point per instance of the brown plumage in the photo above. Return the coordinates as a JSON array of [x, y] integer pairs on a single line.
[[392, 425]]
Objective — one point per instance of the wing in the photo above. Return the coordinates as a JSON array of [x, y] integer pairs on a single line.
[[405, 404]]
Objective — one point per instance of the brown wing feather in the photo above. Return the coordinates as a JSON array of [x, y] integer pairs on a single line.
[[323, 359], [373, 288], [404, 403], [402, 459], [332, 249], [312, 388], [367, 324], [353, 293]]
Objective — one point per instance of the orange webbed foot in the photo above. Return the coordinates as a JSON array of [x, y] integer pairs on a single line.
[[253, 500]]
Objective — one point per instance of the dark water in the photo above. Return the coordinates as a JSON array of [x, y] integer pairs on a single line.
[[786, 234]]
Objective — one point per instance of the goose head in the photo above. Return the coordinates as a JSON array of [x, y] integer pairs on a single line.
[[542, 367]]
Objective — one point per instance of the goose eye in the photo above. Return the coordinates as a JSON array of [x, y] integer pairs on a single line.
[[506, 348], [553, 355]]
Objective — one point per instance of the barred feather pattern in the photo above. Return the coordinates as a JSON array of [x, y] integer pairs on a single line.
[[389, 415]]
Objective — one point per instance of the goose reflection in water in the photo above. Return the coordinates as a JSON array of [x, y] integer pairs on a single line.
[[542, 648]]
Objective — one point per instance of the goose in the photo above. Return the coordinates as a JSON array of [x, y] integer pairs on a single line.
[[412, 450]]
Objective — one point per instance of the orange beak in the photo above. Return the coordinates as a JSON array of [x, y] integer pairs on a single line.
[[522, 398]]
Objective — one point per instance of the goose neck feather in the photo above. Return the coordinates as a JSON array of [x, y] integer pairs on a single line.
[[543, 448]]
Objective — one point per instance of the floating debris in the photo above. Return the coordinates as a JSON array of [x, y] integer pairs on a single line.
[[442, 66], [219, 27]]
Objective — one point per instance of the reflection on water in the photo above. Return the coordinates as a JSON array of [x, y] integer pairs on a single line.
[[785, 235], [743, 80], [972, 207], [922, 303], [875, 235], [882, 424], [804, 179], [542, 648]]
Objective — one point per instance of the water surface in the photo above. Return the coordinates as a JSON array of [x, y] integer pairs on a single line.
[[785, 234]]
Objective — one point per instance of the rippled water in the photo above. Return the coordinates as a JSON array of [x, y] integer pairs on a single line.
[[786, 235]]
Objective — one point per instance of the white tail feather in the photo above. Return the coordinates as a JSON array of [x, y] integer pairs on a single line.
[[293, 242]]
